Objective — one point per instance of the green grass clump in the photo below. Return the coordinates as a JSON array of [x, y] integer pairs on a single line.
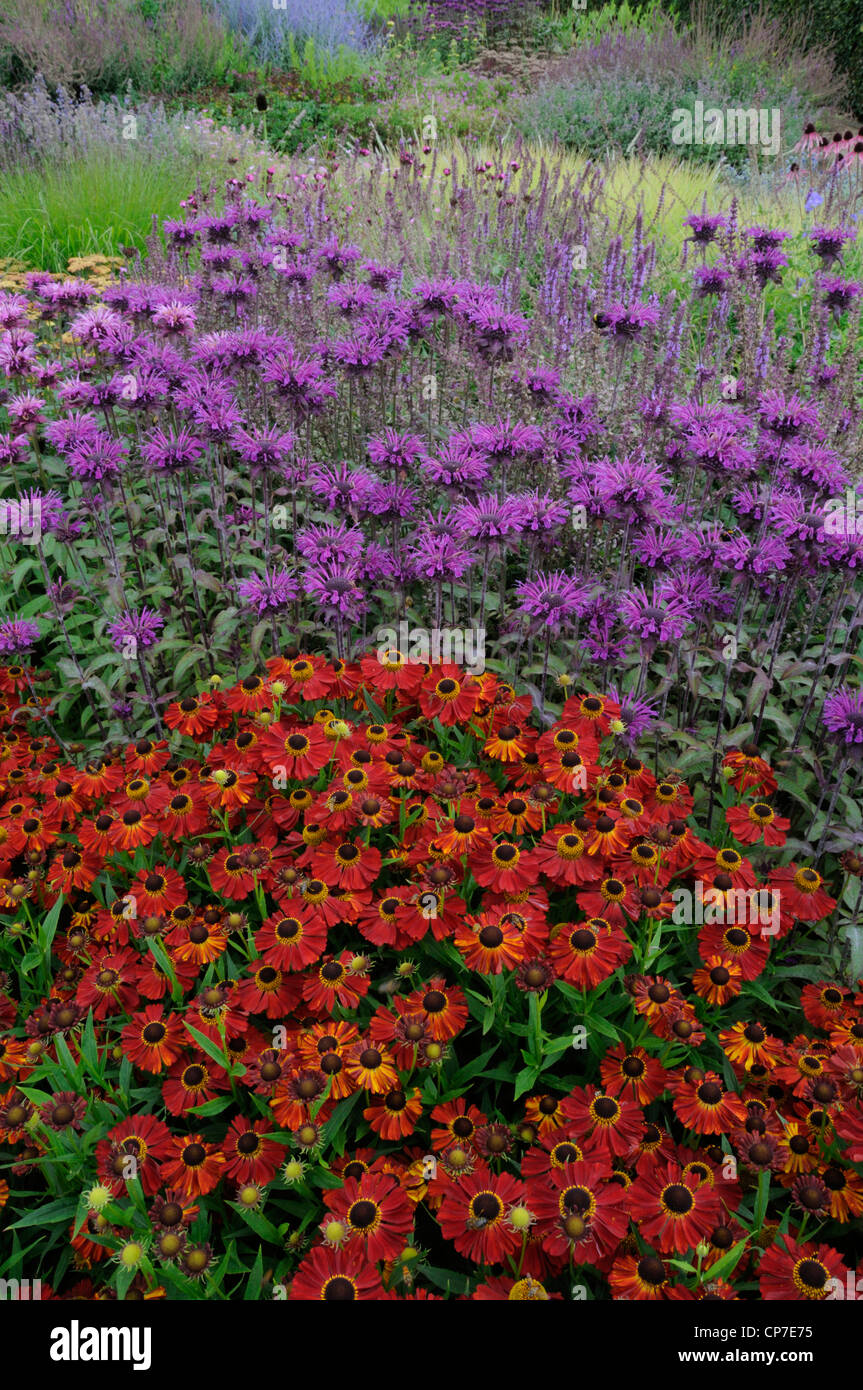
[[90, 205]]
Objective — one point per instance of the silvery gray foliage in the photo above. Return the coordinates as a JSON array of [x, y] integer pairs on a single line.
[[266, 29], [38, 126]]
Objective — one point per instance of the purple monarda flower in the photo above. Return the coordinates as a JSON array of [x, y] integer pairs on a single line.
[[174, 319], [65, 295], [839, 294], [661, 616], [351, 298], [235, 288], [95, 326], [542, 512], [172, 451], [17, 636], [360, 354], [379, 566], [337, 258], [48, 506], [765, 266], [600, 642], [436, 555], [705, 228], [631, 488], [785, 416], [390, 325], [506, 440], [335, 590], [263, 450], [392, 450], [766, 238], [717, 447], [663, 549], [98, 458], [218, 257], [137, 626], [17, 353], [457, 463], [711, 279], [217, 420], [299, 271], [180, 233], [488, 519], [557, 600], [14, 449], [636, 714], [827, 243], [340, 486], [496, 333], [543, 384], [794, 518], [330, 543], [391, 501], [218, 228], [816, 465], [626, 322], [579, 415], [13, 311], [249, 347], [843, 714], [271, 592], [437, 296], [380, 277]]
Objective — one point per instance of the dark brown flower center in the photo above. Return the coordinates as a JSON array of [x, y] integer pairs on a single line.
[[362, 1215], [678, 1199]]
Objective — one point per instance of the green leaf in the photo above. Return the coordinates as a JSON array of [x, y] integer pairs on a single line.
[[207, 1045], [728, 1262], [601, 1025], [259, 1224], [54, 1214], [89, 1048], [122, 1280], [753, 987], [191, 656], [473, 1068], [48, 927], [20, 570], [165, 964], [125, 1079], [373, 709], [71, 1069], [336, 1123], [525, 1079], [211, 1107], [256, 1276], [761, 1201], [219, 1274], [855, 938]]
